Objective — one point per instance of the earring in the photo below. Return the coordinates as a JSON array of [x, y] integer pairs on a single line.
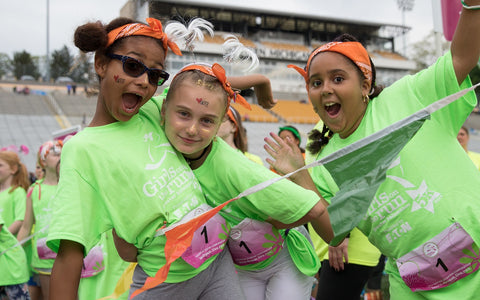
[[366, 99]]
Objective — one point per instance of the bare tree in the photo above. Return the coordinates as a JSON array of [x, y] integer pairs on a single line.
[[425, 53]]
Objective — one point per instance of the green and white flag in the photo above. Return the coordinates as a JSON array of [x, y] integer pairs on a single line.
[[358, 171], [357, 186], [359, 183]]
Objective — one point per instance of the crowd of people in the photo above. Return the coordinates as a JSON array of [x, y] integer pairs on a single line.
[[97, 221]]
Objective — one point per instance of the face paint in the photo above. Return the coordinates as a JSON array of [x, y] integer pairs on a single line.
[[201, 101], [118, 79], [191, 125]]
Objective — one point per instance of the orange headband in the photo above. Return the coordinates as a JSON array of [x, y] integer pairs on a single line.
[[232, 117], [218, 72], [353, 50], [153, 29], [45, 148]]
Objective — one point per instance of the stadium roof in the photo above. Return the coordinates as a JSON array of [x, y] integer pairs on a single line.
[[368, 12]]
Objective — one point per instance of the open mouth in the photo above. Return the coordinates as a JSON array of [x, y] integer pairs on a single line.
[[131, 102], [332, 109]]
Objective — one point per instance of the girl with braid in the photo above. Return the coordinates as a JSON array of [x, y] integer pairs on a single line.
[[424, 216]]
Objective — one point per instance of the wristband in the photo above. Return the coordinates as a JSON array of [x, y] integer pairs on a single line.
[[472, 7]]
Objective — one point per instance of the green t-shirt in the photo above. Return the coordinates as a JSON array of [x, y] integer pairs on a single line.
[[233, 173], [13, 263], [103, 284], [126, 176], [13, 205], [360, 250], [432, 183], [42, 196]]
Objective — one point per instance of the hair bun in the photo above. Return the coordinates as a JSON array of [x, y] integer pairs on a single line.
[[90, 37]]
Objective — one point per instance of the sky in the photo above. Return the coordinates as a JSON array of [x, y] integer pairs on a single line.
[[24, 25]]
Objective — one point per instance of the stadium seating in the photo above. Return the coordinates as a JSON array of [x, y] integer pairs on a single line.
[[219, 38], [247, 42], [286, 111], [257, 114], [216, 39], [296, 112], [286, 46], [75, 105]]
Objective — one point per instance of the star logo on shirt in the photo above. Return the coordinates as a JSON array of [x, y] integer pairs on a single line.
[[148, 137], [423, 198]]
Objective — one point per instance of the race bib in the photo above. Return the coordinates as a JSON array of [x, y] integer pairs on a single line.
[[448, 257], [208, 239], [93, 262], [253, 241], [43, 251]]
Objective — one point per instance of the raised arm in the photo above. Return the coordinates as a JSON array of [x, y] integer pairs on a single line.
[[28, 220], [261, 85], [465, 45], [286, 158], [15, 227], [317, 216]]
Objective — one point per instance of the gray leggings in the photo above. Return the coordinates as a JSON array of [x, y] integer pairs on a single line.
[[217, 281]]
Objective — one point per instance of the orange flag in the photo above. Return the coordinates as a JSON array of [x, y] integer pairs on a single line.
[[179, 238]]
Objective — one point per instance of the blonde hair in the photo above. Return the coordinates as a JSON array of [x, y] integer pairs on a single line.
[[199, 78]]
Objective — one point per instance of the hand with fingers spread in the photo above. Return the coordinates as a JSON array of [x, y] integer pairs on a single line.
[[286, 155], [338, 255]]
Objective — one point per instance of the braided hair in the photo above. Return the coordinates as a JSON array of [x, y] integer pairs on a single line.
[[318, 139]]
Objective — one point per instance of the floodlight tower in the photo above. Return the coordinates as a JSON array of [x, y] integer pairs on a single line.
[[47, 75], [404, 6]]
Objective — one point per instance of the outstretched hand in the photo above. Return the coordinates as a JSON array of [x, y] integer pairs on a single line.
[[286, 155]]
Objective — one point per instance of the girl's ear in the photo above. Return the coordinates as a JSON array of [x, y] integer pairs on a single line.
[[43, 163], [366, 87], [101, 63]]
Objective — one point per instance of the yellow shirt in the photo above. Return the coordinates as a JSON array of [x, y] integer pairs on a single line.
[[475, 157], [254, 158]]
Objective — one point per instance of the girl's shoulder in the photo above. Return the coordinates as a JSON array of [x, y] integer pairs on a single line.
[[153, 107], [34, 185], [38, 181], [17, 191]]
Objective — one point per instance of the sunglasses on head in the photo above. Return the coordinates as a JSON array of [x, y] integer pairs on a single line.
[[55, 150], [135, 68]]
